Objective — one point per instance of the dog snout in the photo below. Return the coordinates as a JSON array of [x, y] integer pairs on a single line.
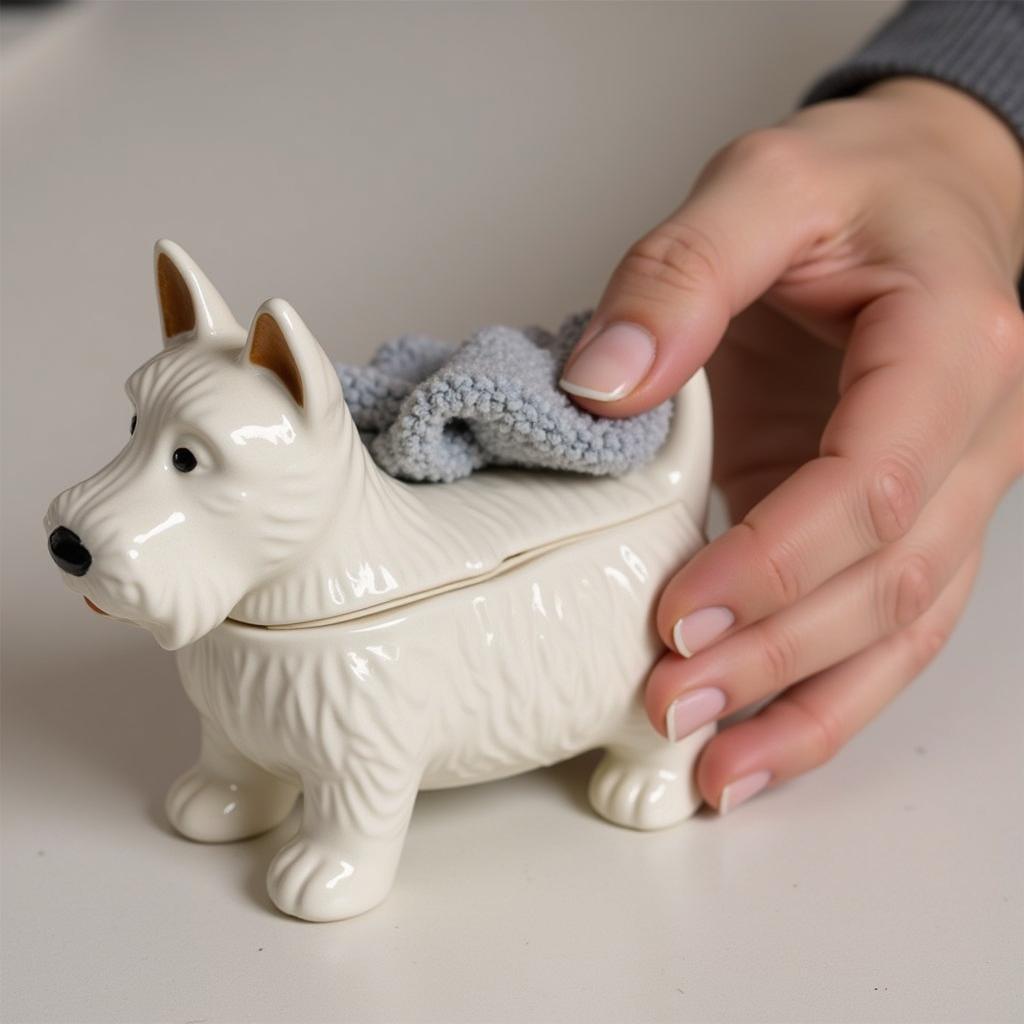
[[67, 550]]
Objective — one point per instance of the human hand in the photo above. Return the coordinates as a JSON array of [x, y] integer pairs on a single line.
[[850, 274]]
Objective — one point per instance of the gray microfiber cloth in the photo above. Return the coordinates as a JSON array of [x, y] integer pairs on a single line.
[[429, 410]]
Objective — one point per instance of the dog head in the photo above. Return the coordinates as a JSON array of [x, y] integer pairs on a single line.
[[234, 462]]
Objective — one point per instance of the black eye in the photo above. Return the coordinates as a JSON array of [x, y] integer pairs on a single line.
[[184, 461], [131, 429]]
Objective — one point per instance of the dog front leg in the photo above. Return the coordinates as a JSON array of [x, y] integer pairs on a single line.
[[344, 858], [225, 796]]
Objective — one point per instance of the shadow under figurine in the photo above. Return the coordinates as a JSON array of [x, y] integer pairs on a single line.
[[355, 638]]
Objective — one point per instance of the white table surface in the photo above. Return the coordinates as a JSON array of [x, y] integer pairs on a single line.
[[389, 168]]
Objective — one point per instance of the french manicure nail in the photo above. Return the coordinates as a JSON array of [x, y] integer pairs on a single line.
[[612, 364], [695, 631], [742, 789], [689, 712]]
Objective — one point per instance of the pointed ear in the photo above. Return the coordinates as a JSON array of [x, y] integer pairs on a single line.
[[190, 307], [280, 342]]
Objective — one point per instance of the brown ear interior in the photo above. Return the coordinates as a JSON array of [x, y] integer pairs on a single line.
[[270, 350], [176, 306]]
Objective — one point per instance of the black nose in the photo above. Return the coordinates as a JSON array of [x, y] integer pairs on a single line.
[[69, 552]]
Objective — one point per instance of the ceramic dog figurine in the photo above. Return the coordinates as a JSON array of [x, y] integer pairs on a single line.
[[354, 638]]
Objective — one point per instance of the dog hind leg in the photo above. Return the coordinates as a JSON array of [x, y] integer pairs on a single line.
[[645, 781]]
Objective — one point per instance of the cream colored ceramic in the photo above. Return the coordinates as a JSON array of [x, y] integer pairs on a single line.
[[355, 638]]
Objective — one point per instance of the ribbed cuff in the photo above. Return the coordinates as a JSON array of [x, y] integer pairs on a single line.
[[975, 45]]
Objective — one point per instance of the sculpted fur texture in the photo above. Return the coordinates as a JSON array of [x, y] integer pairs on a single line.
[[355, 639]]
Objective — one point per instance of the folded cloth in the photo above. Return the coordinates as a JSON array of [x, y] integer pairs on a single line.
[[429, 410]]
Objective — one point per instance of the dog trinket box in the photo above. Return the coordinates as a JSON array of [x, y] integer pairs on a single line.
[[354, 638]]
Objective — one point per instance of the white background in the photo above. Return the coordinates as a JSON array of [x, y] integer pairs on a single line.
[[390, 168]]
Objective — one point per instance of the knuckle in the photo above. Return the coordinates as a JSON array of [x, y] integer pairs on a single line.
[[894, 500], [779, 652], [822, 728], [925, 643], [674, 254], [769, 153], [1002, 328], [908, 591], [780, 567]]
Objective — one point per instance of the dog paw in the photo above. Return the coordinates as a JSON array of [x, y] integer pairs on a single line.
[[211, 810], [643, 795], [317, 882]]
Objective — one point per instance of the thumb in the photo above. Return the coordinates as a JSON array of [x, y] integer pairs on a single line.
[[673, 294]]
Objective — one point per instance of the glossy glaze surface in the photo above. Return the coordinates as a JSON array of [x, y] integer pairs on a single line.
[[424, 636]]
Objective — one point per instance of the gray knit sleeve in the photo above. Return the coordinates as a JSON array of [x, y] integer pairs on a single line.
[[975, 45]]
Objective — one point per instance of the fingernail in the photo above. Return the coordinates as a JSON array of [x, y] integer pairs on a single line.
[[692, 710], [612, 364], [742, 790], [695, 631]]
